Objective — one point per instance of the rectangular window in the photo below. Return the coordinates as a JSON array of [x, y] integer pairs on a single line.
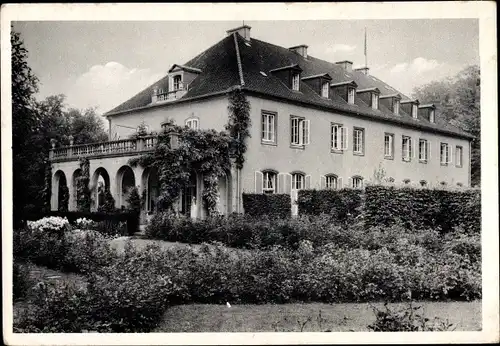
[[396, 107], [431, 116], [331, 182], [458, 156], [414, 111], [389, 146], [192, 124], [177, 82], [339, 137], [269, 182], [374, 101], [444, 154], [358, 141], [268, 127], [300, 132], [295, 81], [406, 148], [423, 150], [324, 89], [297, 181], [350, 95]]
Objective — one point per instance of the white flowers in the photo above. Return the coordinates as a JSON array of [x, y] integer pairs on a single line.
[[84, 223], [51, 223]]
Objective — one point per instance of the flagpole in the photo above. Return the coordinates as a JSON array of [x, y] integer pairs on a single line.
[[366, 55]]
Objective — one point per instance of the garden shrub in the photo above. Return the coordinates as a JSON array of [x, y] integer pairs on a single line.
[[440, 209], [20, 281], [88, 250], [276, 205], [343, 205]]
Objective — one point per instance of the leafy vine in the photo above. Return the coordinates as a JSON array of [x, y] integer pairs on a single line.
[[205, 152], [82, 186], [238, 126]]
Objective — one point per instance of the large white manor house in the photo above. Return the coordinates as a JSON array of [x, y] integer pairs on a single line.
[[315, 124]]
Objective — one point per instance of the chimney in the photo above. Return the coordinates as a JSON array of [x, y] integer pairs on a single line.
[[363, 70], [300, 50], [346, 65], [243, 30]]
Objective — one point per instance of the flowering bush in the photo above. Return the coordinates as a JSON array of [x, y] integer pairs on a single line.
[[51, 223], [85, 223]]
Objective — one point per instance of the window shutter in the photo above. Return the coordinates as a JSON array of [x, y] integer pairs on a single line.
[[450, 155], [413, 149], [281, 183], [429, 146], [339, 183], [344, 137], [322, 182], [349, 182], [259, 177], [288, 183], [306, 131], [308, 182]]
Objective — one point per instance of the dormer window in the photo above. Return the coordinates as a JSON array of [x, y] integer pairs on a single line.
[[350, 95], [396, 107], [295, 81], [414, 111], [374, 101], [370, 96], [177, 82], [319, 83], [325, 89], [432, 118], [289, 75], [392, 102]]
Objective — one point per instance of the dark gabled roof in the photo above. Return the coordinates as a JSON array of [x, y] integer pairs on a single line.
[[232, 63]]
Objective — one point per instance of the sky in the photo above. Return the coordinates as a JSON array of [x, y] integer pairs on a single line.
[[101, 64]]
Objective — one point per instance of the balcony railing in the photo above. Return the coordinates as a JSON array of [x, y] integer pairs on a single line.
[[124, 146]]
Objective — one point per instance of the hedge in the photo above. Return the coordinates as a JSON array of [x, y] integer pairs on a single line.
[[108, 220], [421, 208], [342, 205], [277, 205], [441, 209]]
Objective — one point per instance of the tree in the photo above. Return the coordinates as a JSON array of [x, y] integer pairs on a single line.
[[24, 121], [457, 101]]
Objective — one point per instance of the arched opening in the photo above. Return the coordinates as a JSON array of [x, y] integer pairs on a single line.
[[189, 203], [100, 183], [151, 189], [75, 178], [125, 180], [60, 192]]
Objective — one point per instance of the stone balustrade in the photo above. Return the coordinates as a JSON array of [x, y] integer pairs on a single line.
[[111, 148]]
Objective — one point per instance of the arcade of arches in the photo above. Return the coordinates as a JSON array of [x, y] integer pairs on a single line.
[[122, 179]]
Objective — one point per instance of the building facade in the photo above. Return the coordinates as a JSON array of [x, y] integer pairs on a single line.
[[315, 124]]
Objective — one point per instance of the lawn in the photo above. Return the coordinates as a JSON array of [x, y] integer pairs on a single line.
[[466, 316]]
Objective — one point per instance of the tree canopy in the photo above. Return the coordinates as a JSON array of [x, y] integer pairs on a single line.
[[457, 101], [34, 123]]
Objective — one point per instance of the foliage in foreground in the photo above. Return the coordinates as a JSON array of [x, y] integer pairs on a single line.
[[129, 291], [408, 319]]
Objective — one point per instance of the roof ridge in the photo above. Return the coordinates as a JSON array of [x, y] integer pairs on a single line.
[[238, 59]]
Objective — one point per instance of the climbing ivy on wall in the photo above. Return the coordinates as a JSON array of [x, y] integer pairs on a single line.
[[238, 126], [204, 152], [64, 199], [82, 186], [47, 186]]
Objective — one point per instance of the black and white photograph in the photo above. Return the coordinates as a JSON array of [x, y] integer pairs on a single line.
[[249, 173]]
